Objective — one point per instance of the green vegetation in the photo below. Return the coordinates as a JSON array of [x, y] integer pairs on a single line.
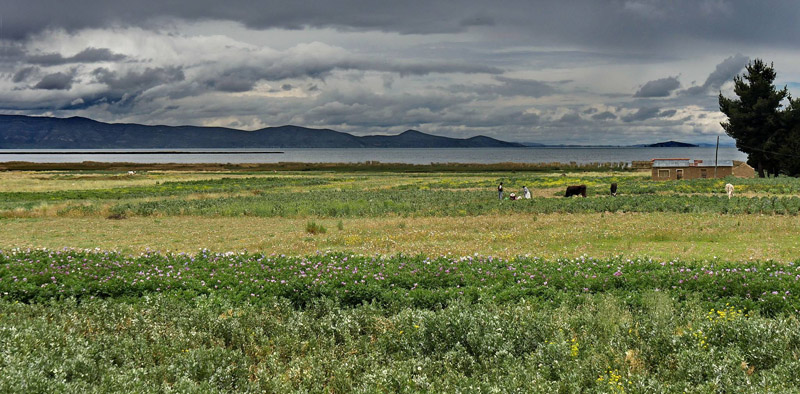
[[223, 185], [313, 227], [447, 203], [401, 302], [94, 321], [378, 195], [418, 281]]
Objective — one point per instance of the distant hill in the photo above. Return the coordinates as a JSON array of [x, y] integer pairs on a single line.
[[32, 132], [669, 144]]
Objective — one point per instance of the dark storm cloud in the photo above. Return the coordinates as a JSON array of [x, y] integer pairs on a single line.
[[460, 84], [244, 78], [606, 23], [138, 81], [659, 88], [23, 74], [724, 72], [56, 81], [88, 55]]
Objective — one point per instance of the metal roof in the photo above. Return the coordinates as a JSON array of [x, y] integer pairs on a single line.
[[720, 163], [690, 163], [671, 163]]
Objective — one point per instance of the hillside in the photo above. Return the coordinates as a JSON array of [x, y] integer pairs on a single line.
[[26, 132]]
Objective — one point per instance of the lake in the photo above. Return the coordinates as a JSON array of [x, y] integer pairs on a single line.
[[409, 155]]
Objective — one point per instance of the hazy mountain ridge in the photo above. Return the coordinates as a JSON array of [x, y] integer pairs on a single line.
[[28, 132], [669, 144]]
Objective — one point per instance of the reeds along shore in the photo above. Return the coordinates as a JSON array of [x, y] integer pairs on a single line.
[[292, 166]]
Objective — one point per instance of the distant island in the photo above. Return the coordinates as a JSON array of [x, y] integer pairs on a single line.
[[35, 132], [669, 144], [666, 144]]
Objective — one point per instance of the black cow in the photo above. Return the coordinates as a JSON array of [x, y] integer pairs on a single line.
[[576, 190], [614, 189]]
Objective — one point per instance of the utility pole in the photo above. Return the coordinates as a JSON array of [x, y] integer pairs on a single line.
[[716, 155]]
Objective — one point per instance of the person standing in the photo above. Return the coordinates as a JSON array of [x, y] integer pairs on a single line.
[[526, 193], [500, 190]]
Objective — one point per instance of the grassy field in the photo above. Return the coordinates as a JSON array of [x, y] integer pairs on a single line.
[[244, 279], [661, 235]]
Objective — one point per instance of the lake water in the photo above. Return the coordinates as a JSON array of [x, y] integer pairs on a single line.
[[410, 156]]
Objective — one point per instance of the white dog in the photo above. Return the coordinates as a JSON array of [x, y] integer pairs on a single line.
[[729, 190]]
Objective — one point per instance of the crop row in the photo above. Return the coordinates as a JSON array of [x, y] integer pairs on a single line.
[[41, 275], [446, 203], [626, 184], [223, 185]]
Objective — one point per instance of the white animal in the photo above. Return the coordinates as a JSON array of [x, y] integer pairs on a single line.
[[131, 172], [729, 190]]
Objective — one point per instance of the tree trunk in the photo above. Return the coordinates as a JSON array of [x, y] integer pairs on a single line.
[[760, 168]]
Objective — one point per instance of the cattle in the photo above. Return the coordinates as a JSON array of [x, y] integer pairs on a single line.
[[614, 189], [131, 172], [729, 190], [575, 191]]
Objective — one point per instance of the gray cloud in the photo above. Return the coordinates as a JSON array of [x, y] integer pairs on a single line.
[[646, 113], [667, 113], [244, 78], [607, 22], [23, 74], [138, 81], [487, 74], [507, 87], [88, 55], [658, 88], [724, 72], [56, 81], [604, 116]]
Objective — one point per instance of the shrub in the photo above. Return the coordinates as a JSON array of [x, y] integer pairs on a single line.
[[313, 228]]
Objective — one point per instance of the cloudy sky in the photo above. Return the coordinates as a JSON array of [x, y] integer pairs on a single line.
[[580, 71]]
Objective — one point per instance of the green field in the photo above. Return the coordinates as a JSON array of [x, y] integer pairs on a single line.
[[332, 281]]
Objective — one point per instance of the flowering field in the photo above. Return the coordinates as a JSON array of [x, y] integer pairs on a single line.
[[91, 320], [419, 281], [369, 316]]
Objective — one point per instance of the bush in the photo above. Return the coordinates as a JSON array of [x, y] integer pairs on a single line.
[[314, 228]]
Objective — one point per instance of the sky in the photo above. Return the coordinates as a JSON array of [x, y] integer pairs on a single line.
[[575, 72]]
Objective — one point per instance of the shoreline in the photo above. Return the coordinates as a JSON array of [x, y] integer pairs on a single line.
[[343, 167]]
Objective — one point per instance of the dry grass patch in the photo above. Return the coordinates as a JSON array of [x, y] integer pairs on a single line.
[[660, 235]]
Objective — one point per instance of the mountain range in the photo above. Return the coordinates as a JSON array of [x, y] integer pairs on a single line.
[[33, 132], [38, 132]]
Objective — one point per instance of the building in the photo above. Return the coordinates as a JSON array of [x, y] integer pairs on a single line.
[[674, 169]]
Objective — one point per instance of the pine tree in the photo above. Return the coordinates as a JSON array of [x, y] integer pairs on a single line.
[[755, 120], [790, 144]]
